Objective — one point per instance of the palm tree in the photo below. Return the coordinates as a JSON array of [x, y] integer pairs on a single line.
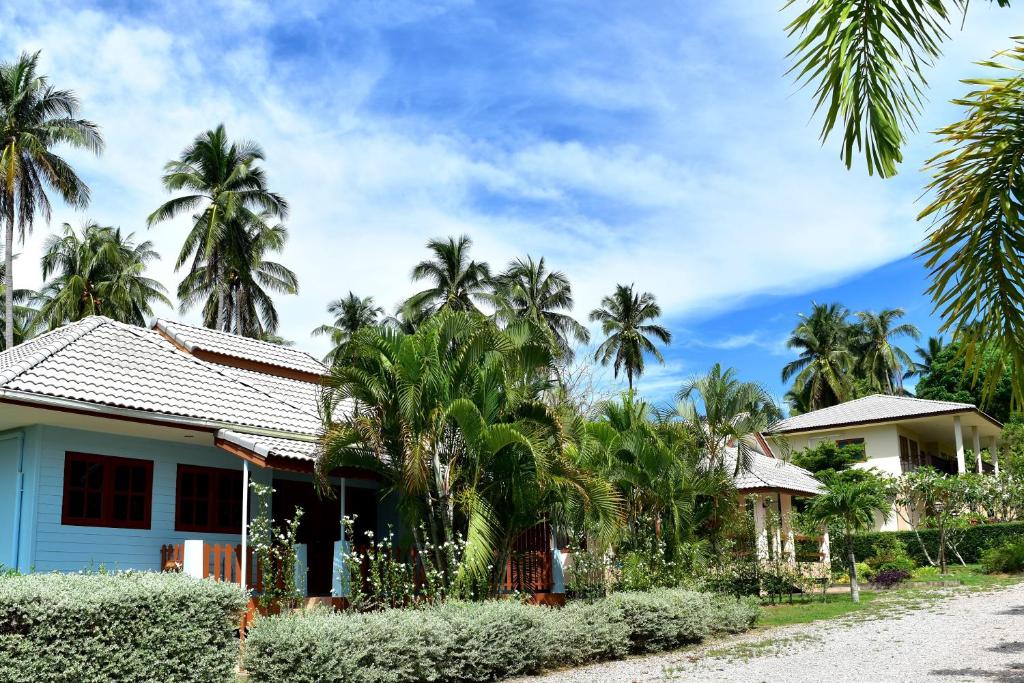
[[882, 363], [624, 318], [26, 318], [735, 415], [826, 359], [233, 228], [527, 290], [449, 421], [237, 300], [35, 117], [927, 354], [457, 281], [351, 314], [853, 505], [97, 271]]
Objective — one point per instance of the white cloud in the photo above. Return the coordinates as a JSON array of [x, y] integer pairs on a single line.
[[715, 191]]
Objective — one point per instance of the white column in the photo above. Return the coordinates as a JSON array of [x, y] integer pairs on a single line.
[[825, 548], [976, 444], [243, 579], [958, 437], [788, 540], [339, 573], [301, 569], [760, 533], [776, 537], [194, 561], [557, 570]]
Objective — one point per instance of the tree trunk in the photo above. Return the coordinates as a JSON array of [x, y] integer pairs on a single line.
[[854, 586], [9, 275], [942, 547]]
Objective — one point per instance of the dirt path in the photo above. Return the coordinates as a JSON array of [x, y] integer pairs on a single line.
[[967, 636]]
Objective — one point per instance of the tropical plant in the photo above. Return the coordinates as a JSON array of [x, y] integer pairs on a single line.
[[625, 318], [97, 271], [26, 316], [457, 281], [527, 290], [449, 417], [735, 416], [824, 367], [881, 362], [988, 384], [351, 314], [35, 117], [233, 228], [927, 355], [852, 506], [866, 60]]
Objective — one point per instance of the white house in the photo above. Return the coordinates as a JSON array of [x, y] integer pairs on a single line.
[[900, 433]]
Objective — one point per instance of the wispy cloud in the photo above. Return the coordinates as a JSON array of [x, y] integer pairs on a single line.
[[657, 144]]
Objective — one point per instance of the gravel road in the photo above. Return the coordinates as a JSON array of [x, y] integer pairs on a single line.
[[969, 636]]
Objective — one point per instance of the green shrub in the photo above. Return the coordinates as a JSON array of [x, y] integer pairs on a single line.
[[865, 572], [890, 555], [926, 573], [976, 539], [1004, 558], [132, 626], [481, 641]]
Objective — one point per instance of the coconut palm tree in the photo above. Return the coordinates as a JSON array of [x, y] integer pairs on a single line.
[[456, 280], [97, 271], [853, 505], [35, 117], [237, 299], [735, 415], [26, 316], [624, 318], [233, 214], [927, 355], [883, 363], [826, 361], [351, 314], [527, 290]]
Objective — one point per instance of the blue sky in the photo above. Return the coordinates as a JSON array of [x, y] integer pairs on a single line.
[[658, 143]]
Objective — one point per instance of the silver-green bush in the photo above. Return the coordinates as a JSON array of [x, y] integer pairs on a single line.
[[480, 641], [132, 626]]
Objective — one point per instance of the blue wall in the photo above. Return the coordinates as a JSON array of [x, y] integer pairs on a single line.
[[47, 545]]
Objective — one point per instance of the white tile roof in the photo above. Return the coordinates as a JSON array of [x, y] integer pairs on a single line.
[[875, 408], [100, 361], [266, 446], [764, 472], [215, 341]]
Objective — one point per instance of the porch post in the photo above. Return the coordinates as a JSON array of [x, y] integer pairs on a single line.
[[958, 437], [760, 533], [825, 549], [976, 444], [339, 572], [243, 580], [788, 540], [993, 450]]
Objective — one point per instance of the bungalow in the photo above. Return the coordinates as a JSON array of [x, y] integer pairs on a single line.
[[899, 434], [131, 448], [119, 444]]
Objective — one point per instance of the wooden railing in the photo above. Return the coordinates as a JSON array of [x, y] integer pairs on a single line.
[[221, 561], [528, 571]]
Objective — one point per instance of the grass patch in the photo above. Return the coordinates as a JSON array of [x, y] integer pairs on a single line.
[[805, 612]]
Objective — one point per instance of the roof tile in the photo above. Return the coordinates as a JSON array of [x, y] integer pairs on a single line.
[[875, 408]]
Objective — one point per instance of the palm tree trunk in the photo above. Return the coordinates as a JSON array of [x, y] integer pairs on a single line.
[[854, 586], [9, 274]]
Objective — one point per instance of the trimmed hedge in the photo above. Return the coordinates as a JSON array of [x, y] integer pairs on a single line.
[[976, 540], [132, 626], [481, 641]]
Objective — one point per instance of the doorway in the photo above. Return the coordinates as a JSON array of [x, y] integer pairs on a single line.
[[319, 528]]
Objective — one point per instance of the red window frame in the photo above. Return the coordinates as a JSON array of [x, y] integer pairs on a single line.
[[213, 499], [110, 490]]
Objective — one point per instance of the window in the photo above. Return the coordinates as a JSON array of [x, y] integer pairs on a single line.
[[848, 442], [208, 499], [101, 490]]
